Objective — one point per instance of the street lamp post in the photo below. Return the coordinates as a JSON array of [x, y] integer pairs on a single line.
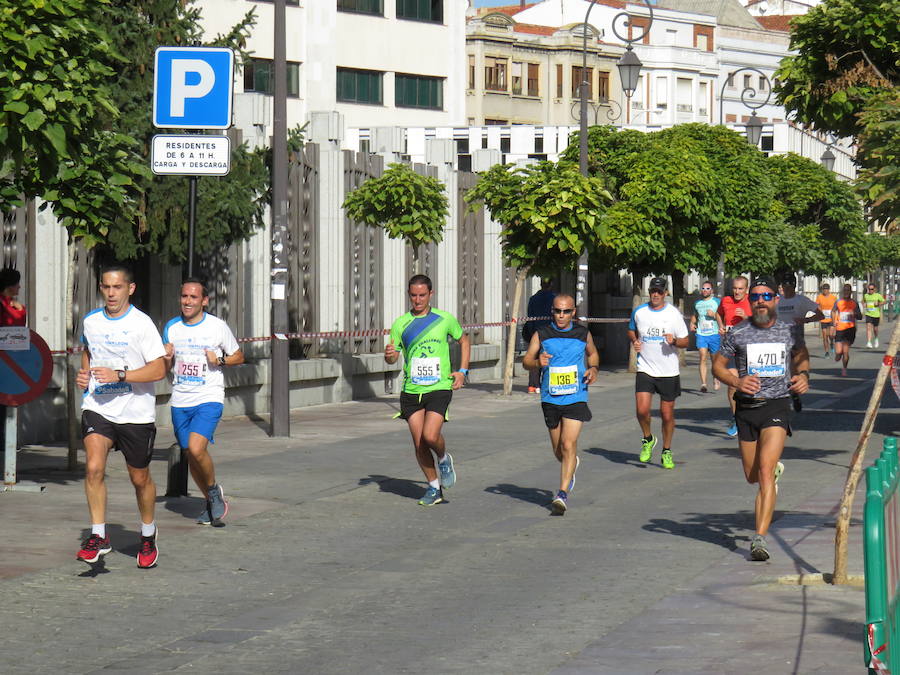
[[629, 66], [754, 124]]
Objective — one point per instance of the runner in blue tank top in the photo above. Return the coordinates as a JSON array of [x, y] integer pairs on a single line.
[[558, 351]]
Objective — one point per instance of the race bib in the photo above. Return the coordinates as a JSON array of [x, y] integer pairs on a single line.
[[654, 334], [110, 388], [847, 317], [563, 380], [707, 327], [425, 371], [190, 369], [871, 308], [766, 359]]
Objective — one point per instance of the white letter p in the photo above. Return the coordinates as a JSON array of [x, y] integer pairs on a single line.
[[181, 90]]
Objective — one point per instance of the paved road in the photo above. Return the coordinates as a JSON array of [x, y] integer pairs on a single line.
[[328, 565]]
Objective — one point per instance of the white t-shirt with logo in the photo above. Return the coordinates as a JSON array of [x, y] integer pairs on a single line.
[[796, 307], [126, 342], [194, 380], [657, 357]]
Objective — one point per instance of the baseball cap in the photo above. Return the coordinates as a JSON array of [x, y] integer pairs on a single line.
[[764, 280], [788, 278], [658, 283]]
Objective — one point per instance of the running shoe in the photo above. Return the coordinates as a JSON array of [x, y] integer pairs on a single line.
[[432, 496], [779, 469], [843, 372], [558, 506], [533, 390], [572, 482], [759, 548], [204, 518], [876, 343], [667, 461], [92, 548], [868, 345], [448, 473], [716, 385], [149, 554], [703, 389], [732, 430], [647, 449], [218, 507]]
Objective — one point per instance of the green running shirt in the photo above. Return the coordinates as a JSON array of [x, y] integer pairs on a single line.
[[426, 354]]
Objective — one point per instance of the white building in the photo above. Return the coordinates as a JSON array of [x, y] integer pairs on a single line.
[[376, 62]]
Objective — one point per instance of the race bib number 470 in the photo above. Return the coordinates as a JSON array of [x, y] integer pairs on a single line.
[[766, 359]]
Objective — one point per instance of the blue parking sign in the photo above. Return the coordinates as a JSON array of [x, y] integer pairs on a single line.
[[193, 87]]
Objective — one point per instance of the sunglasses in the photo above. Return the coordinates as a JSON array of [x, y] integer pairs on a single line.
[[560, 310], [660, 291], [768, 297], [707, 288]]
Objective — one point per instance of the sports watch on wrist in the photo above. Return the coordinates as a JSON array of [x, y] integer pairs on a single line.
[[121, 375], [221, 361]]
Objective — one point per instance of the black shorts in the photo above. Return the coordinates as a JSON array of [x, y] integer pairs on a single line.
[[668, 388], [553, 413], [750, 421], [431, 401], [134, 441], [847, 335], [874, 320]]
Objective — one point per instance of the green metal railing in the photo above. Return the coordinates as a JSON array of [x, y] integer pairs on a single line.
[[881, 549]]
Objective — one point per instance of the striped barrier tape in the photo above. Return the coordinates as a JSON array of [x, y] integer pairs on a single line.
[[876, 664], [325, 335]]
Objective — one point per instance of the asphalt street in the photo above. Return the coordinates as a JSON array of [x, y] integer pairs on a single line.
[[328, 565]]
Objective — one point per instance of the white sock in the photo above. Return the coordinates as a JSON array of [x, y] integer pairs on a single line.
[[434, 483], [99, 529], [148, 529]]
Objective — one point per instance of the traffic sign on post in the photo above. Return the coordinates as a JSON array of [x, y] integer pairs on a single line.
[[193, 87]]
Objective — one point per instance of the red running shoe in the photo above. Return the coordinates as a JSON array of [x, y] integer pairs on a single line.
[[148, 554], [92, 548]]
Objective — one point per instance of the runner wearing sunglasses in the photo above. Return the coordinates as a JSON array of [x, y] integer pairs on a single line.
[[656, 331], [772, 363], [558, 351]]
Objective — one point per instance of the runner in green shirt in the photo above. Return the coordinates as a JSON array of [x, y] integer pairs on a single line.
[[872, 300], [428, 382]]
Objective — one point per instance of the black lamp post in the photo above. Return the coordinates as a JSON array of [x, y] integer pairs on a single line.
[[629, 70], [748, 94]]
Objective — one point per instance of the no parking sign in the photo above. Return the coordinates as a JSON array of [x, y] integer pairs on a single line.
[[26, 366]]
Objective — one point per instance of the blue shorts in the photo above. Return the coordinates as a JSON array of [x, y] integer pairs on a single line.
[[710, 342], [200, 419]]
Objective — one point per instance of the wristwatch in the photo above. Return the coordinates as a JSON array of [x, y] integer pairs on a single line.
[[221, 361], [121, 375]]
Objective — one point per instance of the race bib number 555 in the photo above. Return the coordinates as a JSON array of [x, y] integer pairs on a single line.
[[425, 371]]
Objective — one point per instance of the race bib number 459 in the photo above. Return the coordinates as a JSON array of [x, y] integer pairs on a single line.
[[766, 359]]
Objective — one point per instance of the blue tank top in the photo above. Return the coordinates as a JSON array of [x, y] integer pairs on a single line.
[[562, 381]]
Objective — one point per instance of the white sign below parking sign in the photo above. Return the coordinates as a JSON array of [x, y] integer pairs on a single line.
[[190, 155]]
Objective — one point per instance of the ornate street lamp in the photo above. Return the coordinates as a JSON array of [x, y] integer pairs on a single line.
[[754, 124], [629, 69], [828, 158]]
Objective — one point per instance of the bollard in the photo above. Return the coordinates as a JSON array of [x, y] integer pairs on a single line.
[[177, 481]]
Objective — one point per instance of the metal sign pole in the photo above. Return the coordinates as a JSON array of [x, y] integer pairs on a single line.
[[192, 220], [11, 438]]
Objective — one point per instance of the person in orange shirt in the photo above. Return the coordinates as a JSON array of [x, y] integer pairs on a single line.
[[845, 314], [825, 301]]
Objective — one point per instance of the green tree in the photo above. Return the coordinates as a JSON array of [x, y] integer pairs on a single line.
[[879, 154], [550, 215], [58, 134], [408, 206], [229, 208], [846, 54]]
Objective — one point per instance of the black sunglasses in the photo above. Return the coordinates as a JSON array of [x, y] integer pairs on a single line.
[[768, 297], [559, 310]]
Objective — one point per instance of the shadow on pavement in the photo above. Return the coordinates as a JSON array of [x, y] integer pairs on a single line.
[[618, 457], [525, 494], [792, 453], [715, 528], [399, 486], [189, 507]]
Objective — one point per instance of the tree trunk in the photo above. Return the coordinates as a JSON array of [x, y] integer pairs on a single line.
[[846, 507], [637, 281], [678, 301], [72, 367], [512, 334], [416, 262]]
